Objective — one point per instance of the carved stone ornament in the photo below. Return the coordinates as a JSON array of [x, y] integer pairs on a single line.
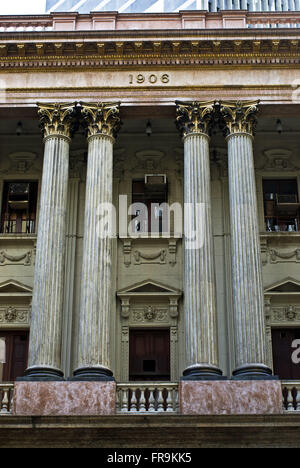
[[238, 117], [57, 118], [149, 313], [102, 118], [5, 258], [10, 314], [194, 117]]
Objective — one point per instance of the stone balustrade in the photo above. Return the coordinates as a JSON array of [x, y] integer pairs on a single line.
[[6, 398], [154, 398], [147, 398], [26, 23], [291, 395]]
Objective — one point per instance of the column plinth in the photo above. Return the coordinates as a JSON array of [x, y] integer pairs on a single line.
[[248, 295], [47, 301], [93, 356], [194, 120]]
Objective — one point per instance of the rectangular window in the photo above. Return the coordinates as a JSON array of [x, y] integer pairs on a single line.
[[19, 207], [281, 204], [149, 194]]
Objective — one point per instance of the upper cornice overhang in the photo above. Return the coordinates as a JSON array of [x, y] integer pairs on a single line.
[[183, 39]]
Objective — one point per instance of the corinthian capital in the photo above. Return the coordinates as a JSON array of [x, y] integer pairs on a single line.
[[238, 117], [102, 118], [57, 118], [194, 117]]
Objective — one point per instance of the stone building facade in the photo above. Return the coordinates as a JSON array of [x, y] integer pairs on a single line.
[[107, 113]]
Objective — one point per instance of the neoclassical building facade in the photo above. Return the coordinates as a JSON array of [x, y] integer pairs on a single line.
[[150, 218]]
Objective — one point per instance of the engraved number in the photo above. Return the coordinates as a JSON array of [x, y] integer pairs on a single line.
[[152, 79]]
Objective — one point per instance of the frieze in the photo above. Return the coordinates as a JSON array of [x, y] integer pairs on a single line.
[[285, 314], [149, 314], [10, 315]]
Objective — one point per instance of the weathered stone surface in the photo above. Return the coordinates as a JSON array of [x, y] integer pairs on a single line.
[[230, 397], [64, 398]]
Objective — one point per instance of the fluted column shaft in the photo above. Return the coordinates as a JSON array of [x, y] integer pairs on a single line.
[[93, 359], [47, 300], [248, 296], [93, 350], [199, 270]]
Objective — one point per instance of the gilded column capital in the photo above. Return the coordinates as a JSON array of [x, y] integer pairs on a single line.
[[194, 117], [102, 118], [57, 118], [238, 117]]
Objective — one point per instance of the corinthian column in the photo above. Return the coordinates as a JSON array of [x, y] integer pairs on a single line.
[[194, 121], [47, 300], [248, 298], [93, 358]]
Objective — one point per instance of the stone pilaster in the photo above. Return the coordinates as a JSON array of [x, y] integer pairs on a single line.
[[248, 299], [194, 121], [47, 300], [93, 359]]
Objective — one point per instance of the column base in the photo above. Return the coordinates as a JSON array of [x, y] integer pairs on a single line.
[[253, 372], [42, 374], [92, 374], [199, 372]]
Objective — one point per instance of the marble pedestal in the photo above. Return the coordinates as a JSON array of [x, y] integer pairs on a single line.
[[64, 398], [230, 397]]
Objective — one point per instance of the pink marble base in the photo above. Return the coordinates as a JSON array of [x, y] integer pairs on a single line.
[[230, 397], [64, 398]]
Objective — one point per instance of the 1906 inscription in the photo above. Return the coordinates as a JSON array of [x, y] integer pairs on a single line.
[[151, 79]]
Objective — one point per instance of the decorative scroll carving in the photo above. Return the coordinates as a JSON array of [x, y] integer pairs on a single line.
[[5, 258], [149, 314], [155, 257], [285, 314], [279, 160], [194, 117], [147, 257], [57, 119], [101, 118], [279, 256], [13, 315], [238, 117]]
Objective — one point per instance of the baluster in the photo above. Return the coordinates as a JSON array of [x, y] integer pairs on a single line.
[[170, 400], [297, 399], [151, 400], [5, 401], [143, 400], [176, 400], [160, 400], [118, 402], [290, 405], [125, 405], [133, 402], [11, 402]]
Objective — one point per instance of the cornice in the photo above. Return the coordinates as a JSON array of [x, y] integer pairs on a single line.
[[44, 56]]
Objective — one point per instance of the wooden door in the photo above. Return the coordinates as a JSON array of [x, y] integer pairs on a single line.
[[282, 340], [149, 355], [16, 344]]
